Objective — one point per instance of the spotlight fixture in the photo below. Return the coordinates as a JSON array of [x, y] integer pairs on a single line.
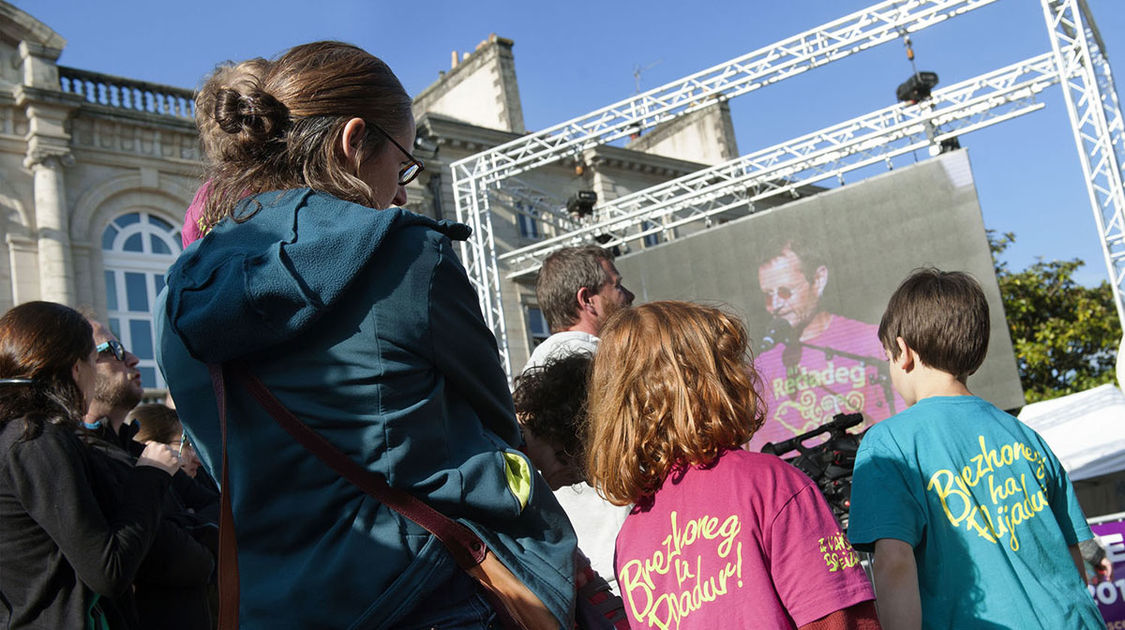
[[581, 204], [950, 144], [602, 239], [917, 87]]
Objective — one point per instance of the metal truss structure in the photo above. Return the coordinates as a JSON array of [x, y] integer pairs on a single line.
[[1095, 118], [1076, 60], [828, 153]]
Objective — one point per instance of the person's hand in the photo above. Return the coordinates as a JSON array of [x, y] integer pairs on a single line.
[[1103, 571], [160, 456]]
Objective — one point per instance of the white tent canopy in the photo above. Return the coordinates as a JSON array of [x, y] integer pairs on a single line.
[[1085, 430]]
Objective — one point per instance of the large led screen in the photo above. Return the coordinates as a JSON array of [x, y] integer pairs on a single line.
[[811, 279]]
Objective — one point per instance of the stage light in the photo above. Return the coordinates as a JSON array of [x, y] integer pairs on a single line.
[[603, 238], [917, 87], [581, 204]]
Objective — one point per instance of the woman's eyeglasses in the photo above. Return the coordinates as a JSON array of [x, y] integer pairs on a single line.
[[113, 346], [184, 441], [411, 170]]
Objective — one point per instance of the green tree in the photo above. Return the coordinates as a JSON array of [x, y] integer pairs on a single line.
[[1065, 335]]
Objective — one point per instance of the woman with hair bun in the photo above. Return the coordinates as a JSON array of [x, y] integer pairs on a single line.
[[359, 318], [61, 554], [225, 76]]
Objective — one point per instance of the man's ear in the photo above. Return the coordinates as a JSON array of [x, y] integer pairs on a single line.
[[585, 299], [351, 140], [906, 355], [820, 280]]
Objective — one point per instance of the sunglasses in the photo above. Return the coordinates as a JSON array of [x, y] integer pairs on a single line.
[[113, 346], [410, 171]]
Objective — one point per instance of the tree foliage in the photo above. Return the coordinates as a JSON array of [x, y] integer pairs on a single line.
[[1065, 335]]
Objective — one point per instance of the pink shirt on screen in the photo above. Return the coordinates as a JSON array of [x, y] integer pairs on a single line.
[[746, 543], [804, 390]]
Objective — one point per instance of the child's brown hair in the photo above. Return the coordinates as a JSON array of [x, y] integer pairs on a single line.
[[156, 423], [672, 385], [943, 317]]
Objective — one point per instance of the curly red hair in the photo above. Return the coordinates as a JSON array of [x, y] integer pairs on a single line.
[[672, 384]]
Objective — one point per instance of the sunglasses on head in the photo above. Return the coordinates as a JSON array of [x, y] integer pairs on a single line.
[[113, 346]]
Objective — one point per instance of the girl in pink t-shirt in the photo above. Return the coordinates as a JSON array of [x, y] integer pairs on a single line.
[[719, 537]]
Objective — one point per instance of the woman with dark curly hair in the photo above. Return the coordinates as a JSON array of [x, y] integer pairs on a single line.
[[61, 552], [359, 318]]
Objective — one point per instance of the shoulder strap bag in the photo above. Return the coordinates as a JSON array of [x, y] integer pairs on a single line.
[[517, 608]]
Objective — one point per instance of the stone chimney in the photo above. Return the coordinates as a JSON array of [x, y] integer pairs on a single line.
[[479, 89], [705, 136]]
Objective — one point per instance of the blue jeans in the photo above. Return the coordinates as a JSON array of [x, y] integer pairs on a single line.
[[456, 605]]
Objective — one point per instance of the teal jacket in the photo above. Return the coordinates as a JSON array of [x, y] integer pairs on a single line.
[[364, 324]]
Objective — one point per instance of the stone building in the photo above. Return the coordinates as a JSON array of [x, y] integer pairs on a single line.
[[96, 172]]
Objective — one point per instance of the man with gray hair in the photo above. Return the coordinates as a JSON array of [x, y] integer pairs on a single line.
[[578, 288]]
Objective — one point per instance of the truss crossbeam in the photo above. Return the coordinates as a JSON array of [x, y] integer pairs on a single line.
[[807, 159], [1077, 61], [859, 31]]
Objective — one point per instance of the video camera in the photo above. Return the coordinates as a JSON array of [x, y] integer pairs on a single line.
[[830, 463]]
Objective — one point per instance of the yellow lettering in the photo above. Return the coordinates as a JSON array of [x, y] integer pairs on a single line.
[[942, 483], [967, 476], [729, 531], [989, 455], [708, 525], [972, 525], [683, 572], [857, 377], [1006, 455], [1013, 539], [691, 532], [1019, 515], [779, 390], [637, 587]]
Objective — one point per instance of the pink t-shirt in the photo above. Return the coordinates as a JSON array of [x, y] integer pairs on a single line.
[[746, 543], [192, 229], [806, 388]]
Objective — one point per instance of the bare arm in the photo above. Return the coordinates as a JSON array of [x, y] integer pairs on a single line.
[[1076, 556], [896, 585]]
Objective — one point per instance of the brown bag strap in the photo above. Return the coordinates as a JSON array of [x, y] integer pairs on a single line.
[[465, 546], [228, 544]]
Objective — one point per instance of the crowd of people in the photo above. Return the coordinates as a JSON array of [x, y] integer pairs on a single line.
[[319, 343]]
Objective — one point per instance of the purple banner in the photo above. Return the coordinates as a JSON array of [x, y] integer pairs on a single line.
[[1109, 593]]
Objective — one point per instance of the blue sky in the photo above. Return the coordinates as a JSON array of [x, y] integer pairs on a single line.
[[574, 57]]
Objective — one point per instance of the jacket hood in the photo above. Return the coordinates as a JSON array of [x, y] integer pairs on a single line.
[[252, 285]]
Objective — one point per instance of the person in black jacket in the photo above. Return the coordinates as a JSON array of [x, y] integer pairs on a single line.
[[170, 590], [60, 553], [170, 586]]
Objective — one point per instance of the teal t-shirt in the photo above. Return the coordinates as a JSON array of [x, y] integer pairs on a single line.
[[987, 507]]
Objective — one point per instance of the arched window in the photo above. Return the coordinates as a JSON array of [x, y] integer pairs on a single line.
[[137, 249]]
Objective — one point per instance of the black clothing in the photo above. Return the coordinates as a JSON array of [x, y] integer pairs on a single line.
[[102, 430], [170, 587], [59, 549], [197, 498]]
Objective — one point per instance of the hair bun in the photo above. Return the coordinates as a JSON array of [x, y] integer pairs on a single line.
[[256, 113]]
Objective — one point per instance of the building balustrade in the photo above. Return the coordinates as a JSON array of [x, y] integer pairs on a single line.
[[118, 92]]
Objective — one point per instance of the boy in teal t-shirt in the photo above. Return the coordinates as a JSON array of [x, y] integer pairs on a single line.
[[972, 519]]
